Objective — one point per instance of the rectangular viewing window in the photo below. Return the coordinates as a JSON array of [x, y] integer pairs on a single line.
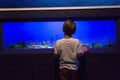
[[43, 34]]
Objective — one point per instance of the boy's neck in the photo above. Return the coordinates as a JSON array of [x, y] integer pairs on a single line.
[[67, 36]]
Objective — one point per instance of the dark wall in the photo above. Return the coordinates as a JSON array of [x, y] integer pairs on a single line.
[[26, 67], [1, 37], [118, 33], [32, 15], [102, 66], [42, 66]]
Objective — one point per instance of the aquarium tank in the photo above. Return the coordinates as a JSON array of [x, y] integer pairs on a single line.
[[44, 34]]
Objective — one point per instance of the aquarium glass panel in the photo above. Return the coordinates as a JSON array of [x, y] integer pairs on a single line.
[[44, 34]]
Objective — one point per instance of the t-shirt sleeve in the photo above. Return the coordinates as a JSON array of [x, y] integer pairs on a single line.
[[56, 48], [79, 48]]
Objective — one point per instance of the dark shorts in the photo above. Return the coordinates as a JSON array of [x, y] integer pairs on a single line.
[[68, 74]]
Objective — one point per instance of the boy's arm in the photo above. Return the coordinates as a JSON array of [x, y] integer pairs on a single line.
[[79, 51], [56, 55], [83, 49], [79, 55]]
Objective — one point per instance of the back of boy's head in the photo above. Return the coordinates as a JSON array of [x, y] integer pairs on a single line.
[[69, 27]]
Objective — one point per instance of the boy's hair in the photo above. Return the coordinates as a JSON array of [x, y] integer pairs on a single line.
[[69, 27]]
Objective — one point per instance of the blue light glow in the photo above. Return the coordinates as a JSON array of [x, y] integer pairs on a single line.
[[101, 32]]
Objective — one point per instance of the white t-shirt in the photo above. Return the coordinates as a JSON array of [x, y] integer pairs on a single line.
[[68, 49]]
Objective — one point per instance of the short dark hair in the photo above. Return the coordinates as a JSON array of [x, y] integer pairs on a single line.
[[69, 27]]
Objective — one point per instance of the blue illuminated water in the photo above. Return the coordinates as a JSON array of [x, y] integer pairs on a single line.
[[96, 33]]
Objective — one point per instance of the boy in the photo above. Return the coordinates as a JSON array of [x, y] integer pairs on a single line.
[[68, 51]]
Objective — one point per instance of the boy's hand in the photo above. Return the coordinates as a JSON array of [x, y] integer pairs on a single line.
[[85, 48]]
